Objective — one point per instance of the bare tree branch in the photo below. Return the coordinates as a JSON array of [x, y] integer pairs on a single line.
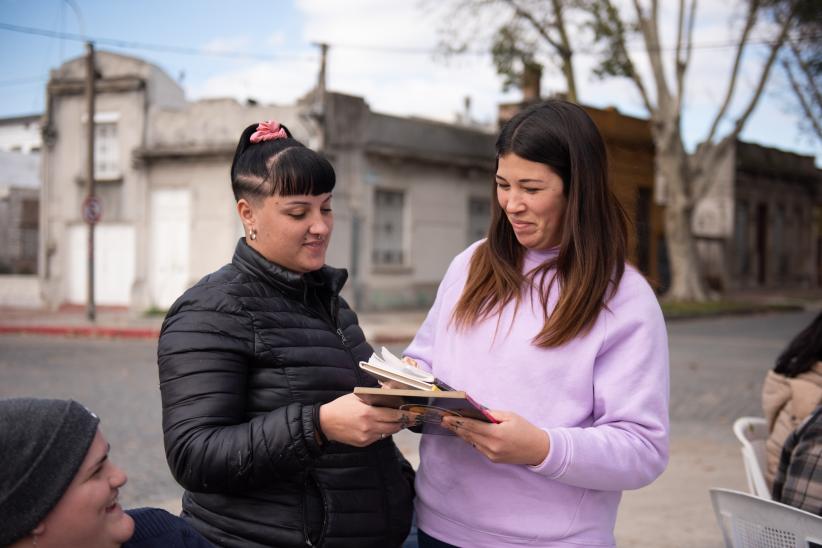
[[528, 16], [714, 153], [806, 70], [563, 47], [650, 33], [635, 77], [682, 64], [803, 101], [691, 19], [750, 21], [679, 31], [766, 70], [655, 12], [567, 65], [679, 62]]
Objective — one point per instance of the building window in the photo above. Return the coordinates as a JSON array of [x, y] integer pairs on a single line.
[[743, 264], [106, 151], [479, 217], [779, 242], [30, 217], [388, 235]]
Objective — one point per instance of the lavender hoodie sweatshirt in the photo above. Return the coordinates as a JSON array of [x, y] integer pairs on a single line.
[[602, 398]]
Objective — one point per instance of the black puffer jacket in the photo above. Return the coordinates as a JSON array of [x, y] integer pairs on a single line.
[[246, 358]]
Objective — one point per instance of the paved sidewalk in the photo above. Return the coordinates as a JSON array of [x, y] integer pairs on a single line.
[[717, 366], [381, 328]]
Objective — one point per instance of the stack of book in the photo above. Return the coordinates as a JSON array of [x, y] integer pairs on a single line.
[[418, 391]]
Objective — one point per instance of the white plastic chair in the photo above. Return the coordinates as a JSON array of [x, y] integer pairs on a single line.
[[752, 433], [748, 521]]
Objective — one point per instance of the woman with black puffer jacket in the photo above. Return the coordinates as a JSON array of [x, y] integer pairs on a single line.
[[257, 364]]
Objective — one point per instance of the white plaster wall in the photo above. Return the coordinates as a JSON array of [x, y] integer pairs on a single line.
[[214, 122], [64, 170], [20, 137], [714, 214], [436, 226], [215, 226], [20, 291]]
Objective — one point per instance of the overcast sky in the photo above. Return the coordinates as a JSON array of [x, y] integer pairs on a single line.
[[381, 50]]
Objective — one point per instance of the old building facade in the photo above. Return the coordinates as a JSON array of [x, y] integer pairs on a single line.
[[19, 207], [410, 194], [758, 227]]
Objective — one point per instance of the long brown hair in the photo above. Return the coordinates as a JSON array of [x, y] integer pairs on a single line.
[[591, 255]]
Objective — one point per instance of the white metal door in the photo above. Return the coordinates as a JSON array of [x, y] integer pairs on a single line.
[[113, 264], [170, 243]]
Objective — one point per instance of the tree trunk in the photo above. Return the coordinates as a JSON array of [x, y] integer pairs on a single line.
[[686, 271]]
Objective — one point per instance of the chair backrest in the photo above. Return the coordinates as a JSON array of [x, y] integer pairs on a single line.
[[748, 521], [752, 433]]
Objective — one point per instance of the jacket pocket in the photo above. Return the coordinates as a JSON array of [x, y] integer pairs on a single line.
[[399, 493], [315, 512]]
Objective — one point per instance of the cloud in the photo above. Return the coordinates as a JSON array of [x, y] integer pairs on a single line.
[[228, 44], [279, 82], [384, 52], [276, 39]]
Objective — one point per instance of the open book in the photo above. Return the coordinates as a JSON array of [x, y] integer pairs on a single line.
[[387, 367], [425, 394]]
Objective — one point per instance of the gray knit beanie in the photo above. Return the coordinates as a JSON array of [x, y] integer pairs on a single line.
[[42, 445]]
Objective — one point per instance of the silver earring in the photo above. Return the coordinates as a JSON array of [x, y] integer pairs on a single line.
[[253, 233]]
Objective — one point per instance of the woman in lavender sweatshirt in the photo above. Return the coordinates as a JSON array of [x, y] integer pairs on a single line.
[[544, 323]]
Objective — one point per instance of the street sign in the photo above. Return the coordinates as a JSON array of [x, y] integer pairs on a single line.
[[92, 210]]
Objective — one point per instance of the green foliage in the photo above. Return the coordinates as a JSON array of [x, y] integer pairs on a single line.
[[609, 33], [802, 58], [512, 57], [695, 309], [154, 312]]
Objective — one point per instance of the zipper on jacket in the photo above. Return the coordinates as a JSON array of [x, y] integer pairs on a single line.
[[332, 319]]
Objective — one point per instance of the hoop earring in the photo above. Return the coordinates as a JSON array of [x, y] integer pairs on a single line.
[[253, 234]]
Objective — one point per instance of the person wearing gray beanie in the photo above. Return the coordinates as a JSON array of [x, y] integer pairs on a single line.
[[42, 445], [59, 488]]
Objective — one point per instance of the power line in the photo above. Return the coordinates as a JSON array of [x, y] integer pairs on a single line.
[[583, 51], [151, 47], [362, 47], [24, 80]]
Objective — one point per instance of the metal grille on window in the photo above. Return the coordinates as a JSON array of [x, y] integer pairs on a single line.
[[388, 240], [106, 151], [479, 217]]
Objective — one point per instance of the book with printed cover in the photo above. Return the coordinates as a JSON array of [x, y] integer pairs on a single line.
[[423, 394]]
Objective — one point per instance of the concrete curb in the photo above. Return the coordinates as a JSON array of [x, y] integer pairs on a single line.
[[81, 331], [109, 332]]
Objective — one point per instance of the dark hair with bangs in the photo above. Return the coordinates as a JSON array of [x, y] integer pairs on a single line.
[[280, 166], [591, 257]]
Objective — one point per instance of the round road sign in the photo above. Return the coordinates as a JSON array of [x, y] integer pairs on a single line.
[[92, 209]]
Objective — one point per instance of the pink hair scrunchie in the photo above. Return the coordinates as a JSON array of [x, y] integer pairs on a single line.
[[268, 131]]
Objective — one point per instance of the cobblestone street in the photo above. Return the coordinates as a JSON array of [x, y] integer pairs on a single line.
[[717, 367]]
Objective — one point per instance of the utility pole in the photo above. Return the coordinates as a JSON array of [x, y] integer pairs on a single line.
[[91, 198], [318, 107]]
